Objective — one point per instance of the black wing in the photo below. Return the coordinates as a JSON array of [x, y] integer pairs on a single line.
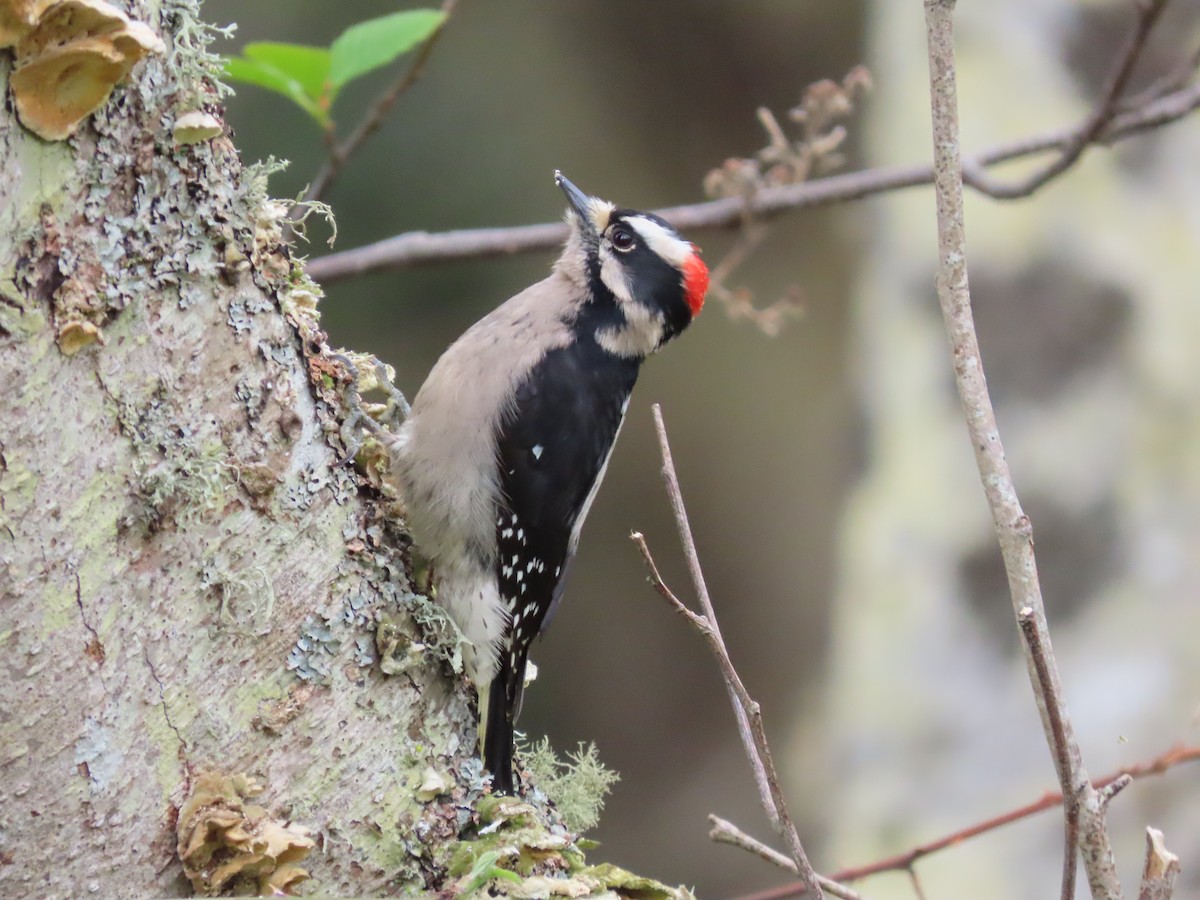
[[552, 449]]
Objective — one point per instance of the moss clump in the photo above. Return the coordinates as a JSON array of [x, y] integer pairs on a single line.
[[577, 785], [513, 854]]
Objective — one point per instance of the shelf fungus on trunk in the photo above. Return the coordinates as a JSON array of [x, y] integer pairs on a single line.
[[69, 56]]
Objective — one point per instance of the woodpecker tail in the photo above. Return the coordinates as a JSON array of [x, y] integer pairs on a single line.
[[498, 734]]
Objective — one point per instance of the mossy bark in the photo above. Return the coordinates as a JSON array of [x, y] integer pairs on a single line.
[[190, 584]]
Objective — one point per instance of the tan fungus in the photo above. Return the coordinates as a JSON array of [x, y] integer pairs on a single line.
[[68, 64], [17, 18]]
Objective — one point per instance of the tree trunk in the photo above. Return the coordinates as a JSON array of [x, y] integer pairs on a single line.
[[195, 594]]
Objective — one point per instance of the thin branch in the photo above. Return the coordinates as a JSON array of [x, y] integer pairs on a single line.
[[906, 861], [655, 579], [1046, 686], [750, 723], [1175, 80], [1148, 12], [737, 302], [725, 832], [417, 248], [701, 625], [341, 151], [915, 881], [1013, 529]]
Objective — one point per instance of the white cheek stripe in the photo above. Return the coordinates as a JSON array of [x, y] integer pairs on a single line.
[[615, 278], [670, 247]]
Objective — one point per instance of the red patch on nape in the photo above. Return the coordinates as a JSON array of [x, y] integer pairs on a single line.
[[695, 281]]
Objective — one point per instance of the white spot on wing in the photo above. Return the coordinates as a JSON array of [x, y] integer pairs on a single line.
[[537, 451]]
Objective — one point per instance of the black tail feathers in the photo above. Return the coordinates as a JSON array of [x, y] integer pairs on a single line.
[[498, 741]]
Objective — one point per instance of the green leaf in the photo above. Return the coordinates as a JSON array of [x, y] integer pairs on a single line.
[[368, 45], [299, 73], [309, 66]]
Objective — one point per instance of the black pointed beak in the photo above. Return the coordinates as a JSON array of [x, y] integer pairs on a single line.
[[579, 201]]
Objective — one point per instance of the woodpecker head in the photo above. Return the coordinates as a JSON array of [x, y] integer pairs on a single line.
[[653, 279]]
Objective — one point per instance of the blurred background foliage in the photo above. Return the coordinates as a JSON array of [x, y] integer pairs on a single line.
[[793, 466]]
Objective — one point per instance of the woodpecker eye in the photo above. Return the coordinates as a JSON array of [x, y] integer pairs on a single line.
[[623, 240]]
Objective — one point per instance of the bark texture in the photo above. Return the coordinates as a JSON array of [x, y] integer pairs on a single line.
[[195, 596]]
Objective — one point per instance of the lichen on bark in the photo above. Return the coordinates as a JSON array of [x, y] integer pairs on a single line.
[[172, 517]]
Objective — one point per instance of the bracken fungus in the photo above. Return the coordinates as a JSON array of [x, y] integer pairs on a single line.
[[69, 56]]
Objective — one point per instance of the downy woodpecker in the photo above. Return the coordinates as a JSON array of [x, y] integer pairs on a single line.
[[509, 437]]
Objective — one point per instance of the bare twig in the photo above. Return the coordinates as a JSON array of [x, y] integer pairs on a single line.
[[341, 151], [915, 881], [1148, 12], [416, 248], [1012, 526], [750, 723], [1174, 80], [1159, 870], [906, 861], [743, 722], [725, 832], [1047, 688], [656, 580], [738, 303]]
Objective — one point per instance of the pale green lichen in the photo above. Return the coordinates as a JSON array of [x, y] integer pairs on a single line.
[[369, 588], [247, 595], [256, 178], [263, 699], [302, 210], [195, 64], [311, 657], [577, 785], [397, 651], [441, 636]]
